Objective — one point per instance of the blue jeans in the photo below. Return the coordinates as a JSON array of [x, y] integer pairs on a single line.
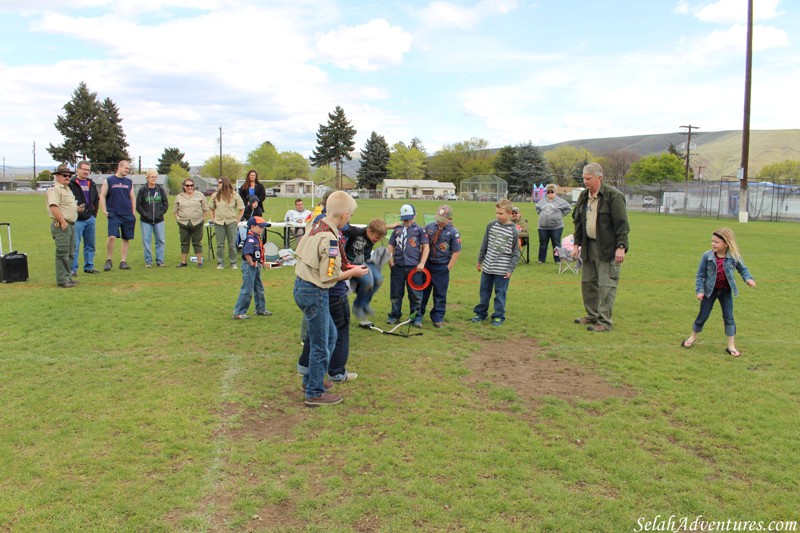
[[84, 229], [339, 307], [707, 304], [398, 282], [500, 285], [440, 281], [365, 288], [314, 303], [148, 230], [547, 236], [251, 282]]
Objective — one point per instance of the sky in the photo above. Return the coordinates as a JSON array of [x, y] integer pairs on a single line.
[[444, 71]]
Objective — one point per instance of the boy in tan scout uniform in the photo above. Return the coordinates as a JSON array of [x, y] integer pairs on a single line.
[[321, 263]]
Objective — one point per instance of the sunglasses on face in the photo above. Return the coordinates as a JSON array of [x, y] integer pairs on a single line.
[[189, 185]]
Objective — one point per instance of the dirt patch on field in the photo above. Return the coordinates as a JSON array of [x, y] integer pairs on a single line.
[[518, 365]]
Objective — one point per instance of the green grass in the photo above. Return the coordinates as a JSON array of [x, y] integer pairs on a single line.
[[134, 403]]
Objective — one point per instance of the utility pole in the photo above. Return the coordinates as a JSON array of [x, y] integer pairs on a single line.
[[746, 126], [4, 168], [699, 171], [34, 161], [220, 151], [686, 178], [140, 164]]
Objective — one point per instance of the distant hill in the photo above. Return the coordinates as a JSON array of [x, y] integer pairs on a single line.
[[719, 153]]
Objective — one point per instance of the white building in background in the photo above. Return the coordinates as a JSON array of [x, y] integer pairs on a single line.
[[417, 189]]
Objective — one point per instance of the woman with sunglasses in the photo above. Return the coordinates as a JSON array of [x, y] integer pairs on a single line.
[[552, 211], [190, 213]]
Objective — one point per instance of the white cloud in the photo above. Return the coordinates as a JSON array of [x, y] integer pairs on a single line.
[[735, 11], [442, 13], [367, 47]]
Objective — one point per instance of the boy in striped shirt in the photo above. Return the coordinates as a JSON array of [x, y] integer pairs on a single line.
[[497, 260]]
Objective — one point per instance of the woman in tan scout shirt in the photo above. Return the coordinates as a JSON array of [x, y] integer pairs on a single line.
[[226, 212], [190, 212]]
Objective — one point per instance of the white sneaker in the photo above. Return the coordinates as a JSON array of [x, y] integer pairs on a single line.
[[348, 376], [220, 267], [233, 266]]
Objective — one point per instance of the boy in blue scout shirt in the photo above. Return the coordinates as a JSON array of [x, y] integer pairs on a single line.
[[445, 243], [408, 250], [321, 266], [252, 262]]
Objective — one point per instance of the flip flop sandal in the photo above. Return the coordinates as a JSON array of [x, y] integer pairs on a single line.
[[734, 353], [687, 346]]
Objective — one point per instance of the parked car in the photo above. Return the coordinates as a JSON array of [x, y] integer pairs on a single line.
[[24, 189], [451, 197], [270, 193], [648, 201], [43, 188], [354, 194]]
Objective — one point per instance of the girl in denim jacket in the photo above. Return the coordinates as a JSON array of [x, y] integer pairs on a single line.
[[715, 282]]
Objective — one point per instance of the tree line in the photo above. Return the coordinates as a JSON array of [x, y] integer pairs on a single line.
[[92, 130]]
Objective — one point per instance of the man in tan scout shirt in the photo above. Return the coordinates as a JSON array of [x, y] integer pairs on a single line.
[[63, 213]]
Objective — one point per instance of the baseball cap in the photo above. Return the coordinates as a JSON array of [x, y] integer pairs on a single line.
[[407, 212], [257, 221], [444, 214], [515, 209]]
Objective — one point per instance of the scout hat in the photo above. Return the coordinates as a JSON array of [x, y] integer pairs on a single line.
[[444, 214], [407, 212], [63, 169], [257, 221]]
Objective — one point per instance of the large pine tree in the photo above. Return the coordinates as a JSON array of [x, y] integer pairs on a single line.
[[374, 162], [334, 143], [92, 130], [530, 168], [170, 157]]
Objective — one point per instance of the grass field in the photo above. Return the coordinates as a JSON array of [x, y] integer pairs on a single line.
[[134, 403]]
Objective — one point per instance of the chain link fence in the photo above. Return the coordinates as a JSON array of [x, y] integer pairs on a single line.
[[717, 199]]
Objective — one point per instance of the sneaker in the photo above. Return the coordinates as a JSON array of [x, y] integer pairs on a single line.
[[498, 321], [240, 317], [438, 324], [90, 271], [108, 266], [327, 385], [181, 265], [584, 321], [124, 266], [220, 267], [73, 274], [392, 321], [324, 399], [160, 265], [347, 376], [417, 324], [264, 313], [476, 318], [200, 264], [234, 267], [148, 265], [68, 284], [598, 327]]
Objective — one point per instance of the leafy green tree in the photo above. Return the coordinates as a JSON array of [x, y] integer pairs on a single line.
[[406, 163], [374, 162], [456, 162], [170, 157], [92, 130], [231, 167], [44, 175], [657, 168], [324, 175], [265, 160], [175, 177], [292, 165], [785, 172], [334, 143], [565, 160], [530, 167]]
